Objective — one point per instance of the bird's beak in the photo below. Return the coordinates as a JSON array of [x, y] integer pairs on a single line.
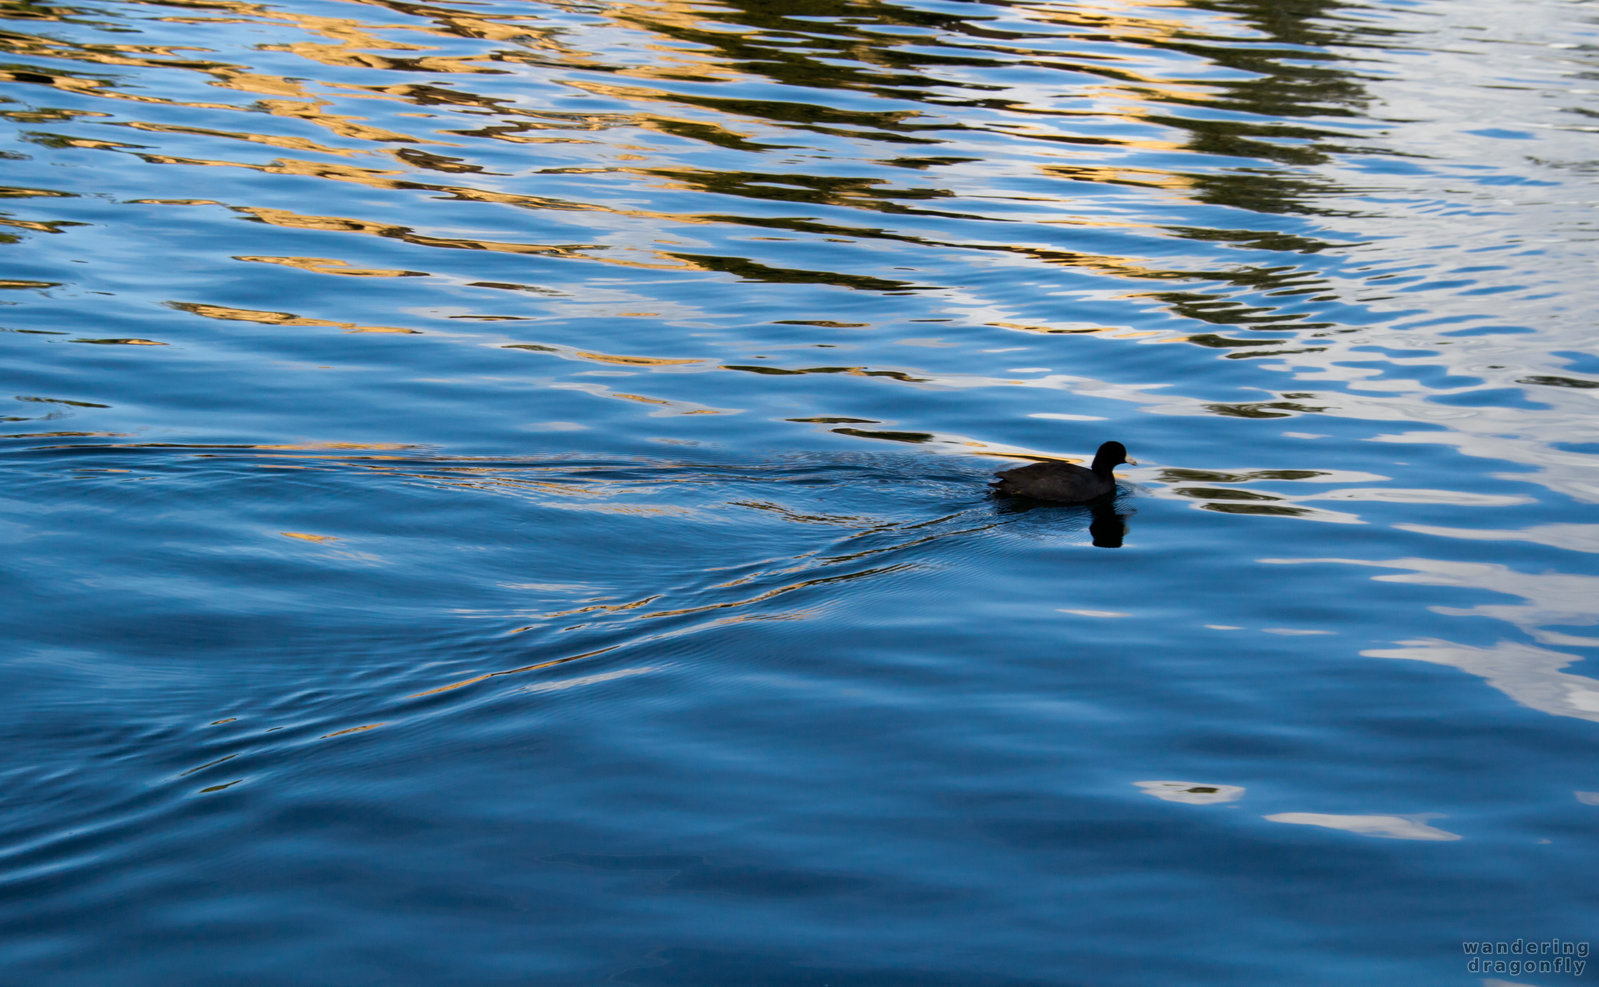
[[1130, 462]]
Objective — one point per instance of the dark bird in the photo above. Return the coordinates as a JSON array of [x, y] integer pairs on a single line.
[[1065, 483]]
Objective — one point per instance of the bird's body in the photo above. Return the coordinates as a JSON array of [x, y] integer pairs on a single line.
[[1065, 483]]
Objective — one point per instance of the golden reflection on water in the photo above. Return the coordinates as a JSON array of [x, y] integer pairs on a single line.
[[347, 730], [691, 45], [569, 353], [307, 537], [278, 318], [511, 671], [695, 122], [331, 265]]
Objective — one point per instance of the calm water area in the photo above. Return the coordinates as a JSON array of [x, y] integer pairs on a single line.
[[493, 492]]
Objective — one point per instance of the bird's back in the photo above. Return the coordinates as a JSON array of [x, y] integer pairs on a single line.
[[1064, 482]]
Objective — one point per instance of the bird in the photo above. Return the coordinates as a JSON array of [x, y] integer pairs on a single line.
[[1065, 483]]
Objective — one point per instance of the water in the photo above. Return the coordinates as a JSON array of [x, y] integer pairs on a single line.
[[494, 492]]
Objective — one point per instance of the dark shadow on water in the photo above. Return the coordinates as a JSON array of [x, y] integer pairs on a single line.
[[1106, 526]]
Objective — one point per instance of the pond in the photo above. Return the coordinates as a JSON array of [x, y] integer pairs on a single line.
[[496, 492]]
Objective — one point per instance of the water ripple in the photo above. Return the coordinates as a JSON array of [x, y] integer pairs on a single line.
[[476, 467]]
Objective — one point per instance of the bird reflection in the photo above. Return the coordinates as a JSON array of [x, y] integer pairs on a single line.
[[1106, 526]]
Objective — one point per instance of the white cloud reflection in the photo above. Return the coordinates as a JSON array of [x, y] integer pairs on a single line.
[[1551, 598], [1387, 827], [1528, 674], [1191, 792]]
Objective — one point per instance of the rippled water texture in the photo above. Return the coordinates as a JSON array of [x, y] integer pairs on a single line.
[[494, 492]]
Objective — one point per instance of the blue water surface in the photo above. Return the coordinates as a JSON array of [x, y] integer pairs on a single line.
[[495, 492]]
